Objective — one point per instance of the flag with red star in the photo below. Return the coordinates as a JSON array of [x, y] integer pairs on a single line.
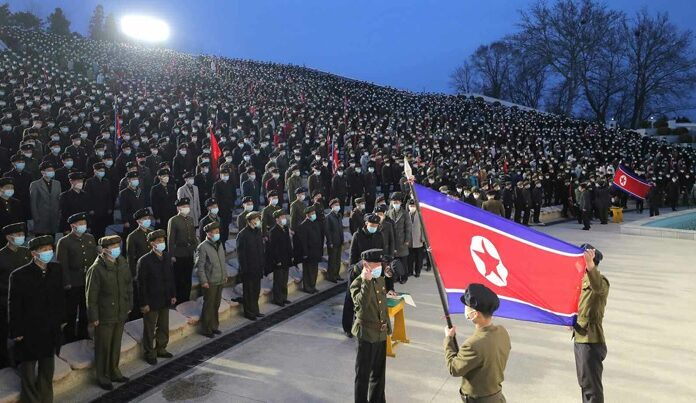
[[536, 276]]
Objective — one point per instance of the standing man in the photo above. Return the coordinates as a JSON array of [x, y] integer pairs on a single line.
[[137, 246], [12, 256], [109, 301], [11, 210], [495, 206], [211, 269], [402, 232], [157, 293], [538, 200], [225, 194], [482, 358], [357, 215], [416, 249], [585, 205], [190, 191], [293, 182], [101, 202], [508, 199], [131, 199], [36, 312], [75, 253], [213, 215], [279, 256], [309, 249], [163, 199], [251, 256], [371, 327], [73, 200], [267, 220], [590, 347], [181, 236], [44, 196], [297, 209], [334, 241]]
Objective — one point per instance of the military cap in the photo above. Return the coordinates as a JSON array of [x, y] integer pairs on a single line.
[[250, 170], [310, 210], [98, 165], [274, 170], [109, 240], [273, 193], [278, 213], [162, 172], [372, 255], [6, 181], [183, 201], [26, 147], [372, 219], [140, 155], [411, 202], [188, 174], [381, 209], [294, 167], [300, 190], [143, 212], [131, 164], [210, 202], [132, 175], [40, 241], [211, 226], [598, 254], [14, 228], [77, 217], [156, 234], [491, 193], [66, 156], [247, 199], [17, 158], [46, 165], [359, 200], [334, 201], [316, 192], [253, 215], [73, 176], [74, 136], [481, 298], [379, 199]]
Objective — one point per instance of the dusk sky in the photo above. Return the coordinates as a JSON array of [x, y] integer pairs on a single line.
[[407, 44]]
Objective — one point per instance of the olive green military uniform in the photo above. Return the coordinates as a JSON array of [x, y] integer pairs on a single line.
[[181, 243], [371, 327], [297, 214], [590, 348], [211, 268], [481, 362], [267, 220], [241, 220], [109, 298], [494, 206], [136, 247], [292, 184], [10, 260], [75, 255]]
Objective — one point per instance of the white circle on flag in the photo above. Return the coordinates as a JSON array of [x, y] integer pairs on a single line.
[[622, 180], [487, 260]]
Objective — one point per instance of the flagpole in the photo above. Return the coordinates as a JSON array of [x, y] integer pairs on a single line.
[[438, 280]]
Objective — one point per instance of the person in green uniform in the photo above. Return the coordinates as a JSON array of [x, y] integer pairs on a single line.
[[293, 182], [136, 247], [157, 293], [211, 268], [109, 301], [247, 207], [76, 252], [589, 347], [267, 220], [12, 256], [371, 327], [211, 205], [181, 238], [482, 358], [297, 209]]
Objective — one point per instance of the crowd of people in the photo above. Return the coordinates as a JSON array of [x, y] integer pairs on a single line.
[[106, 158]]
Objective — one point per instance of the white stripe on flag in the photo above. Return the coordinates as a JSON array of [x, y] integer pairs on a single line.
[[568, 315]]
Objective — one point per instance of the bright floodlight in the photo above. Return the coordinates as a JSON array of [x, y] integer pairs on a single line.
[[144, 28]]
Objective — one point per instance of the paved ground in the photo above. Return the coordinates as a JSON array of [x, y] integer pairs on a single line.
[[650, 327]]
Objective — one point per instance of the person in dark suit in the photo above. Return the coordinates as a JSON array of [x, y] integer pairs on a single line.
[[357, 215], [339, 186], [585, 205], [310, 248], [334, 241], [12, 256], [101, 201], [10, 208], [211, 206], [44, 195], [252, 262], [22, 179], [520, 202], [225, 194], [74, 200], [36, 312], [131, 199], [163, 198], [279, 257]]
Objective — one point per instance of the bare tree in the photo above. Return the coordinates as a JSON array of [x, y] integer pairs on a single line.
[[462, 79], [527, 78], [661, 63], [492, 64]]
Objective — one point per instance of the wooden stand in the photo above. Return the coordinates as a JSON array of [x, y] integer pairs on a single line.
[[616, 214], [395, 308]]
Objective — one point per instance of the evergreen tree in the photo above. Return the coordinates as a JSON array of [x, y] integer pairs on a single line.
[[25, 19], [57, 23], [96, 23], [5, 14], [110, 29]]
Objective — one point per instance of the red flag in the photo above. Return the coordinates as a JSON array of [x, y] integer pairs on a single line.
[[630, 183], [215, 154], [117, 123], [334, 157]]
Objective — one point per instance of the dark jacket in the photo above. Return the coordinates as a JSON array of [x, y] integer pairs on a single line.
[[36, 310], [101, 201], [75, 255], [162, 198], [72, 202], [9, 262], [310, 241], [387, 230], [334, 230], [225, 194], [279, 250], [250, 253], [362, 241], [131, 201], [155, 281], [109, 290], [136, 247]]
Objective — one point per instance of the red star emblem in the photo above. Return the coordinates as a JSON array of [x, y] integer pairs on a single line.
[[489, 261]]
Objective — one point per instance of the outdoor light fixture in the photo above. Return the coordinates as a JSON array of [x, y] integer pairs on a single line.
[[145, 28]]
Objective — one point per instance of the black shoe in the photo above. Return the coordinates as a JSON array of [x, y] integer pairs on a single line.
[[151, 360], [260, 315], [585, 229], [428, 269], [248, 317], [106, 386], [122, 379], [348, 335], [216, 331], [416, 275], [166, 354], [208, 335]]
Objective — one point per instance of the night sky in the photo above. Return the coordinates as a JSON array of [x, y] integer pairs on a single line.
[[407, 44]]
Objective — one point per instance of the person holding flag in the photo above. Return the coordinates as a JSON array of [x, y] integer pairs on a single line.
[[482, 358]]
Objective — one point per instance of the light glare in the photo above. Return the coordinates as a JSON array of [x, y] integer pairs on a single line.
[[144, 28]]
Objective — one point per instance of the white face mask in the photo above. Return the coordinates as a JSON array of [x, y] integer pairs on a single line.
[[412, 209], [185, 210]]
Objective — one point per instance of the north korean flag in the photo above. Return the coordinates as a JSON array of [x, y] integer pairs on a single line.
[[629, 182], [537, 277]]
